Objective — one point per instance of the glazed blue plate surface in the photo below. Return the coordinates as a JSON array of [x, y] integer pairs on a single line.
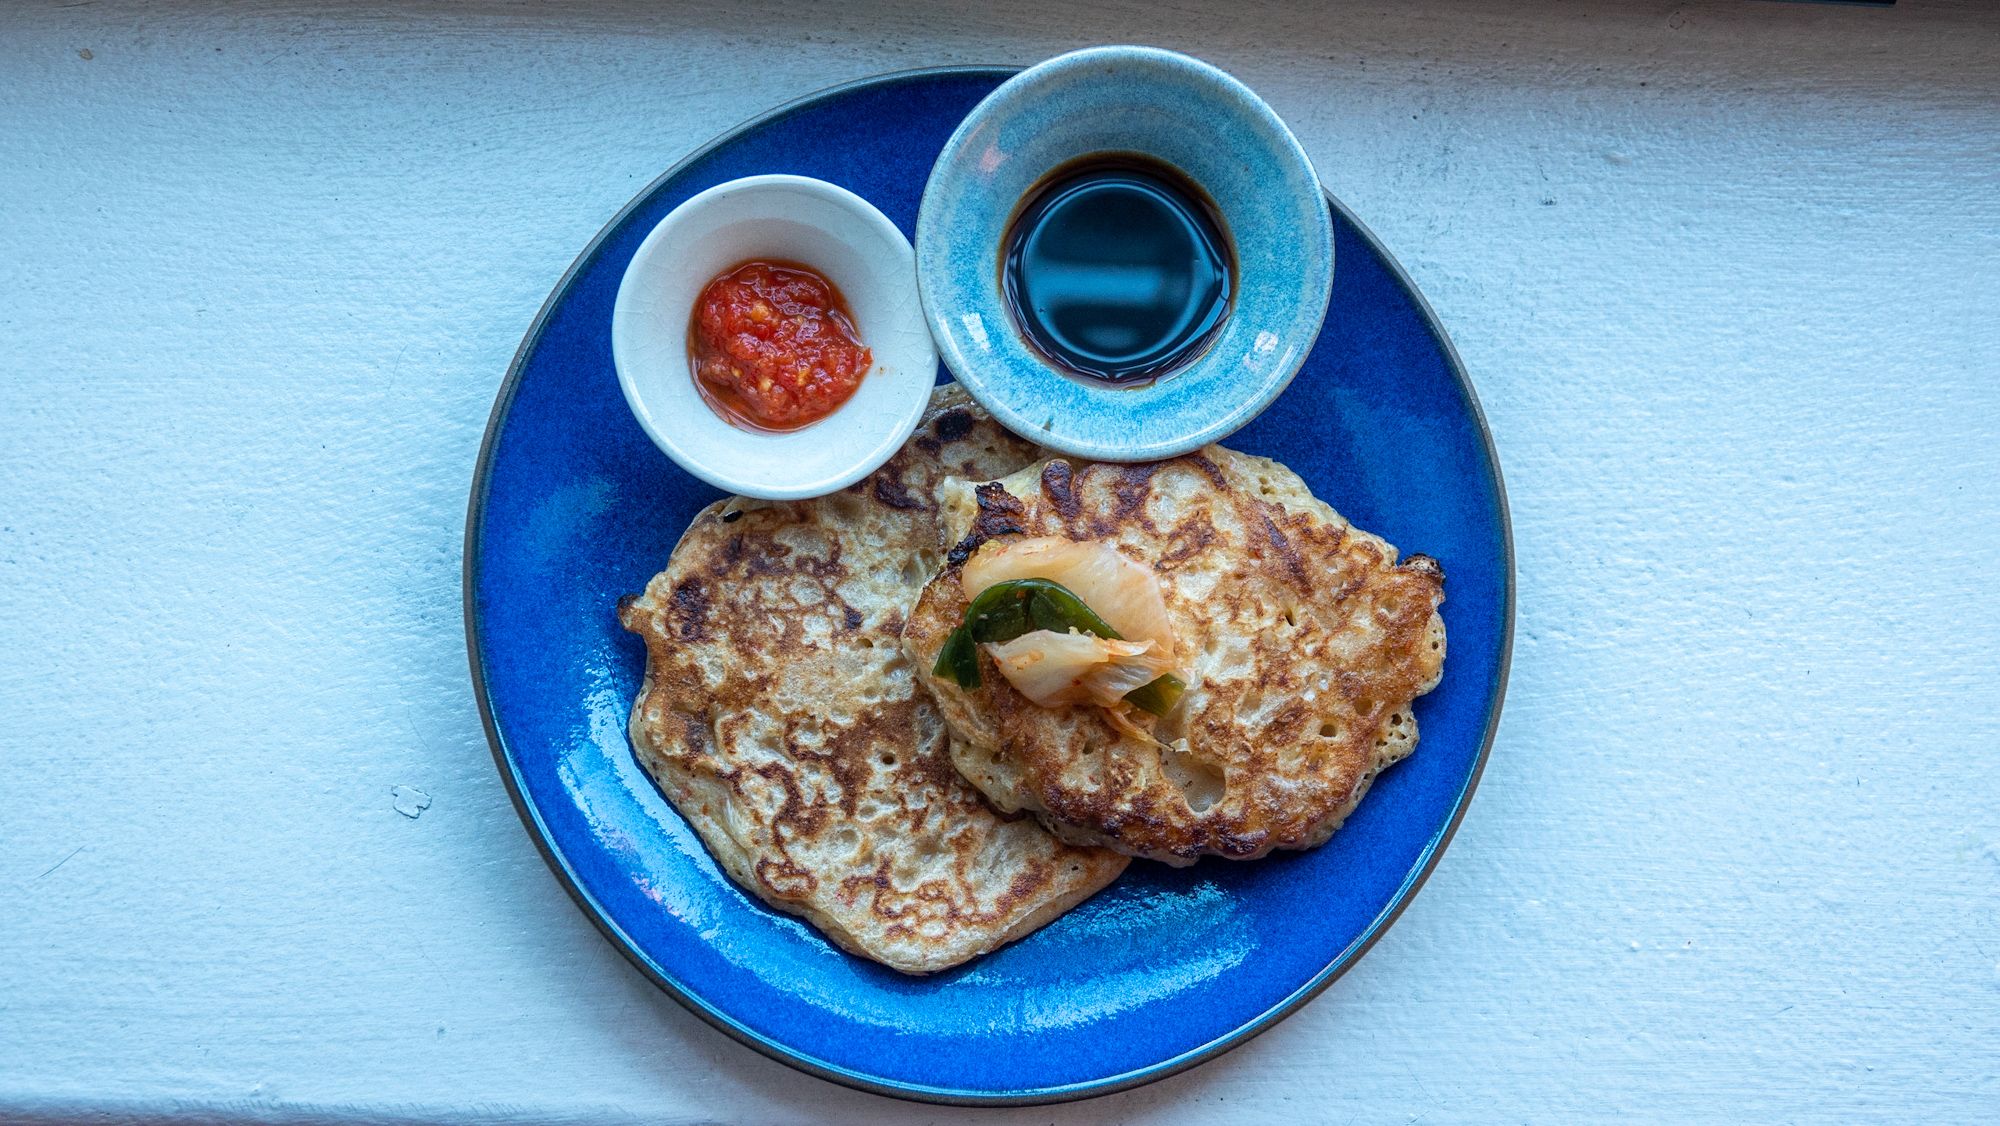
[[573, 507]]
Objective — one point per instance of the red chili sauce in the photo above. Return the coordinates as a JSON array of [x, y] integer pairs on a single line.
[[773, 346]]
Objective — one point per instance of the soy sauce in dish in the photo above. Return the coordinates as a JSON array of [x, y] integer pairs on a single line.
[[1117, 268]]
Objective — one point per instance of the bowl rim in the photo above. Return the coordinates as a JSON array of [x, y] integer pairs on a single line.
[[872, 456], [1242, 410], [566, 876]]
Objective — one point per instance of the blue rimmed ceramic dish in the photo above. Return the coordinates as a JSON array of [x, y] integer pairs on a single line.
[[1174, 109], [572, 507]]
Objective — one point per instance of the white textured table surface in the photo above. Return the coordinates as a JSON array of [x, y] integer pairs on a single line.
[[1727, 275]]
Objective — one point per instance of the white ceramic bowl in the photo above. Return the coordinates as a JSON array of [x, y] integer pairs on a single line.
[[803, 220]]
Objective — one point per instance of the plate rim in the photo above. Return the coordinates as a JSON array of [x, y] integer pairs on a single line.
[[558, 864]]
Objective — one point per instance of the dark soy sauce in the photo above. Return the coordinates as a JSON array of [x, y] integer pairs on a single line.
[[1116, 268]]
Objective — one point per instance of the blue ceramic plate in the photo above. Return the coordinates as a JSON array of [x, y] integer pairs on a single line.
[[573, 507]]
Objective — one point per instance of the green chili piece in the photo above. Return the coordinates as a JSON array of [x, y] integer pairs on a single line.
[[1005, 611], [1000, 613], [1157, 696], [958, 660]]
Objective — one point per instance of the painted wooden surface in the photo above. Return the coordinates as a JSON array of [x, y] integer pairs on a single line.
[[1727, 274]]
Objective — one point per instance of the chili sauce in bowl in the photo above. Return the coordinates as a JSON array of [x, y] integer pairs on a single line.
[[773, 346], [769, 339]]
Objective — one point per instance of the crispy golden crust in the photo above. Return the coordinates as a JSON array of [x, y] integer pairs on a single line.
[[1307, 643], [781, 718]]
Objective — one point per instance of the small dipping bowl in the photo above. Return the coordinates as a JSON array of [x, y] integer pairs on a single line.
[[795, 219], [1173, 109]]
